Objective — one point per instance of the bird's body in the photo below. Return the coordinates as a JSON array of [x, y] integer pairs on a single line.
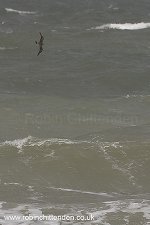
[[40, 43]]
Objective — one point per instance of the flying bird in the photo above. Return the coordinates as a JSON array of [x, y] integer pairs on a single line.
[[40, 43]]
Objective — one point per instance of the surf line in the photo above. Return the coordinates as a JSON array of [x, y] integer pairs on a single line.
[[79, 191]]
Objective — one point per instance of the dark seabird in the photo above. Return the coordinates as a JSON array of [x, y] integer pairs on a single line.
[[40, 43]]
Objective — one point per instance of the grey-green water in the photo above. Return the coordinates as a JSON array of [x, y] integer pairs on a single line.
[[74, 121]]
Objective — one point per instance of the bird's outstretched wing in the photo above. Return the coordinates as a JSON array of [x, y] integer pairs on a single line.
[[42, 38], [41, 50], [40, 43]]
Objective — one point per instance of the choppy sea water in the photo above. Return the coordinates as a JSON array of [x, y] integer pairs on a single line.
[[74, 134]]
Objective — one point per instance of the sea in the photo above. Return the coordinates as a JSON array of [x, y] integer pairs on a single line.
[[75, 120]]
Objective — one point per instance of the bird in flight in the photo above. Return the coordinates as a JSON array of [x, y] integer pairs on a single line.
[[40, 43]]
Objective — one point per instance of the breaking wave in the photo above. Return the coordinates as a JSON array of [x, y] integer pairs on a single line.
[[19, 12], [7, 48], [32, 141], [125, 26], [101, 212]]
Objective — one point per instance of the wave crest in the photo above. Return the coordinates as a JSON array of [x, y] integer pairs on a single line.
[[125, 26], [32, 141], [19, 11], [7, 48]]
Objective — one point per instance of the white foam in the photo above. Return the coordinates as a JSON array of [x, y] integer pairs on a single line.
[[136, 207], [19, 12], [128, 206], [125, 169], [32, 141], [82, 192], [9, 48], [136, 96], [100, 215], [105, 145], [102, 212], [18, 211], [1, 204], [18, 143], [16, 184], [124, 26]]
